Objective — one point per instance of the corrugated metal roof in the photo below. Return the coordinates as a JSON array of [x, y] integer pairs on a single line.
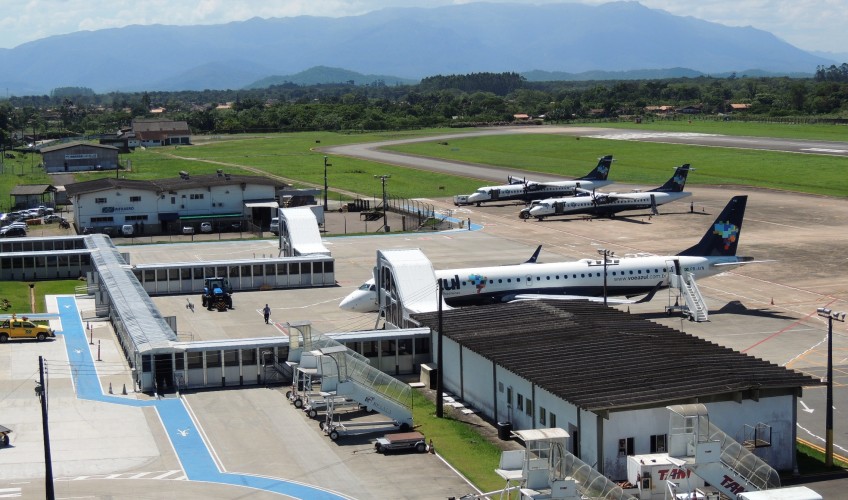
[[599, 358], [170, 184], [142, 320]]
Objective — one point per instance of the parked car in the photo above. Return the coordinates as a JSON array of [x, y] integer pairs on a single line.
[[188, 230], [127, 229], [11, 232], [275, 225], [205, 227], [49, 219]]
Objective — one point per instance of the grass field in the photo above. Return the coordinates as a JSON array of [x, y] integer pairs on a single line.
[[646, 163], [18, 294]]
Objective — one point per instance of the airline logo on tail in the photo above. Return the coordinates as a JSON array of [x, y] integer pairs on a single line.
[[679, 179], [603, 170], [727, 231]]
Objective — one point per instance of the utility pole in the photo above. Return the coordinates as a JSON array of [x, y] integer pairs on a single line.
[[383, 179], [606, 253], [41, 393], [440, 402], [828, 446], [326, 189]]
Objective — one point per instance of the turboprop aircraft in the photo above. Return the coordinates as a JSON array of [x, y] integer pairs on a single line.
[[609, 204], [524, 190], [584, 279]]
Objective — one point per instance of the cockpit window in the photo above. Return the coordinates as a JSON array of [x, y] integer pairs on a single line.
[[367, 286]]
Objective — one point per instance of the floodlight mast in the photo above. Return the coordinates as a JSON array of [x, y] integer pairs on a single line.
[[606, 253]]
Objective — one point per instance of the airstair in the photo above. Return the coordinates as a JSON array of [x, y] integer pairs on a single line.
[[545, 470], [275, 370], [344, 374], [694, 305], [713, 455]]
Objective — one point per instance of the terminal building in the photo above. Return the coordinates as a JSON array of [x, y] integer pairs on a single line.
[[166, 206]]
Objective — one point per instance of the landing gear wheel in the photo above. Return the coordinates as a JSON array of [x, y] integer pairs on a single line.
[[524, 215], [288, 395], [321, 425], [334, 435]]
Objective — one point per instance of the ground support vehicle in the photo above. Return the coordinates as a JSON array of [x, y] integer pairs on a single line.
[[461, 199], [320, 402], [217, 294], [401, 441], [23, 329], [4, 436]]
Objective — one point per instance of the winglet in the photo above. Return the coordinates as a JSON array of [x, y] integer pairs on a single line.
[[722, 237], [600, 172], [532, 259]]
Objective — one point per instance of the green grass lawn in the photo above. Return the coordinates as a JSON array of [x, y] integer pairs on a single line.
[[646, 163], [18, 294]]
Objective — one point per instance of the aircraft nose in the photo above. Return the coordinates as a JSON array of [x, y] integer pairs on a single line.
[[359, 301], [475, 197]]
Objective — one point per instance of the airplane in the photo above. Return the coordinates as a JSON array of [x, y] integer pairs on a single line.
[[628, 276], [524, 190], [609, 204]]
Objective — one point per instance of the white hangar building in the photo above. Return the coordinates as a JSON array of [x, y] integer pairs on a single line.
[[606, 377], [165, 205], [79, 156]]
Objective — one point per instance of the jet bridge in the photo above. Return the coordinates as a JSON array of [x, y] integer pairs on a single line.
[[713, 455], [406, 284]]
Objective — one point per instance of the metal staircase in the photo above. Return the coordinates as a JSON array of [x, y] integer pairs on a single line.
[[344, 374], [713, 455], [695, 307]]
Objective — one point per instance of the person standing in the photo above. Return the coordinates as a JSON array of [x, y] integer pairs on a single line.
[[266, 312]]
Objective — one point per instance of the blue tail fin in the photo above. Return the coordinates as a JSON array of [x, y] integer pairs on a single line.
[[677, 181], [722, 237], [600, 172]]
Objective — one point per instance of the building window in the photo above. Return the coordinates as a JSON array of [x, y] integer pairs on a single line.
[[658, 443], [520, 402], [625, 447], [542, 416], [198, 196], [101, 219], [100, 200], [529, 407], [553, 419], [500, 387], [135, 198]]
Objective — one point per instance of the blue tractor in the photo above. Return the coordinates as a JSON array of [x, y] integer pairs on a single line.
[[217, 294]]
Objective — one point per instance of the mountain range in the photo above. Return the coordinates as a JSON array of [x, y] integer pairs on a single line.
[[411, 43]]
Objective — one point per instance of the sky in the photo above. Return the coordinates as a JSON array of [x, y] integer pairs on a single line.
[[812, 25]]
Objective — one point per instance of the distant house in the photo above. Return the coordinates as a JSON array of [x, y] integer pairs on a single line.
[[739, 106], [79, 156], [521, 117], [151, 133], [660, 110], [692, 109]]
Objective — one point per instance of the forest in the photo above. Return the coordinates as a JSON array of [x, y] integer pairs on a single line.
[[438, 101]]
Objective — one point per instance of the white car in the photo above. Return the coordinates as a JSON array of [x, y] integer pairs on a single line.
[[188, 230], [205, 227]]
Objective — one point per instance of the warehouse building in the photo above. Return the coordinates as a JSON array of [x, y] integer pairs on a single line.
[[606, 377], [79, 157]]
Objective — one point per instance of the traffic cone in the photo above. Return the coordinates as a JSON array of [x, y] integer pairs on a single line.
[[772, 301], [124, 392], [110, 387]]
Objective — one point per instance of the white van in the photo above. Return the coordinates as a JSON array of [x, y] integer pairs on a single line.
[[275, 225], [127, 229]]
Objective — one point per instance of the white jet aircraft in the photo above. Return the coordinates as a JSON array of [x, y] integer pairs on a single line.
[[584, 279]]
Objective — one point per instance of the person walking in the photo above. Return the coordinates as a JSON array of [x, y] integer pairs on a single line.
[[266, 312]]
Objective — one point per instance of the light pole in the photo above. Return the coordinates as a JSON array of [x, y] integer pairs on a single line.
[[326, 189], [828, 446], [383, 179], [606, 253]]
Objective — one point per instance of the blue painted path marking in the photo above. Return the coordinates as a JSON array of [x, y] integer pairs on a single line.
[[188, 443]]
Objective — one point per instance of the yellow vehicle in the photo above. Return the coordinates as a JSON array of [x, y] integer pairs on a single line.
[[23, 329]]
